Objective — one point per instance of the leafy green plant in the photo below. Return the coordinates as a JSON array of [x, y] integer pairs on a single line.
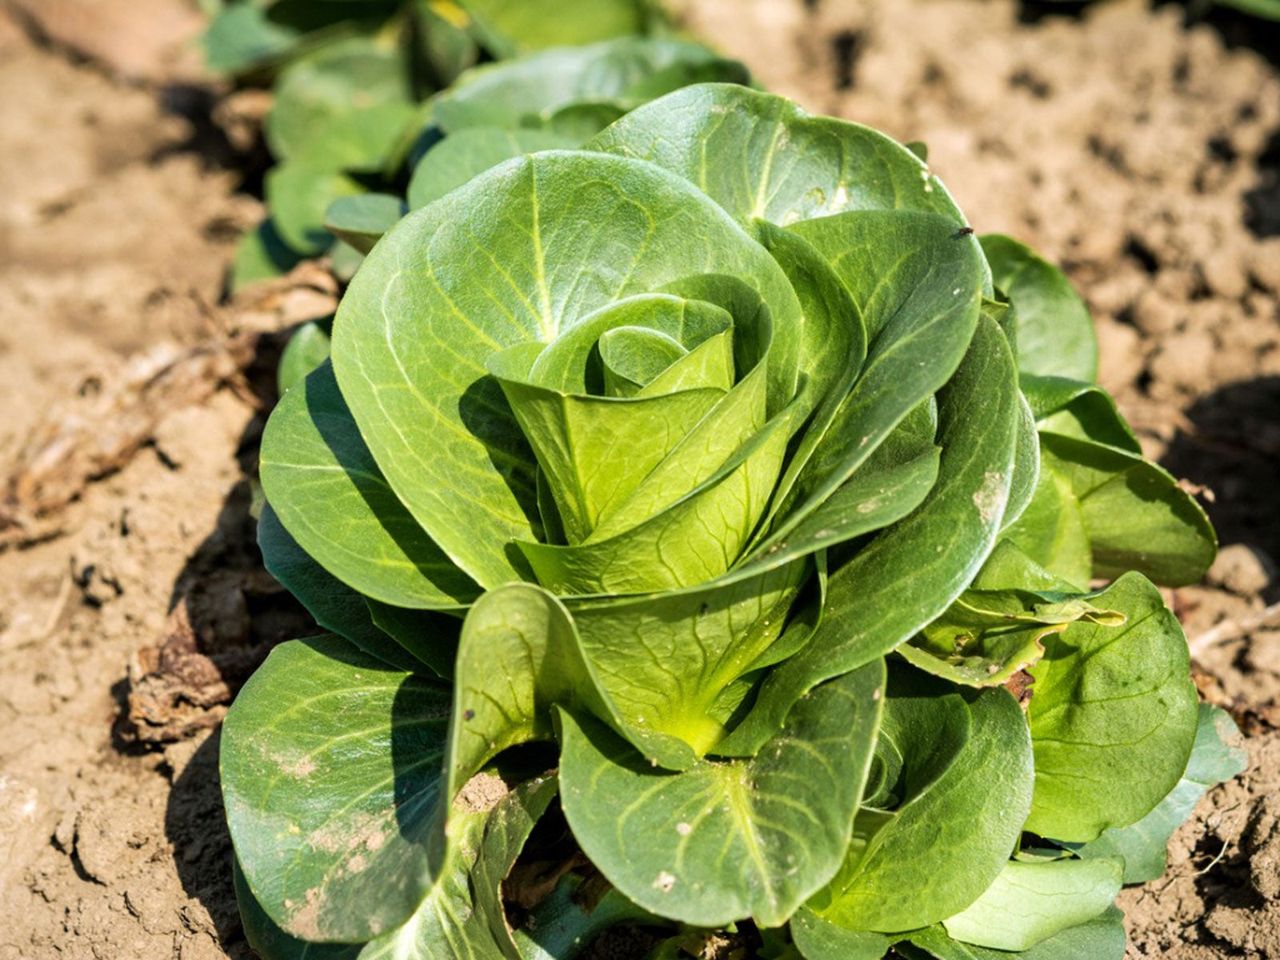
[[349, 79], [714, 535], [552, 99]]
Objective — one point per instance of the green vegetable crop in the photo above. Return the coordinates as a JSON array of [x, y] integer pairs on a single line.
[[354, 82], [714, 534]]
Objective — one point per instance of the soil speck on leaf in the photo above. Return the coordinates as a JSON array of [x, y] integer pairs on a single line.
[[482, 792]]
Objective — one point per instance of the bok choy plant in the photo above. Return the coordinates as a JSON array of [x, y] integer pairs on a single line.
[[715, 537]]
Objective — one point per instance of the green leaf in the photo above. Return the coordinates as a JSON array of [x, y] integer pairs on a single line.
[[331, 775], [471, 151], [819, 940], [343, 107], [443, 40], [557, 87], [1102, 938], [508, 26], [762, 157], [566, 923], [1026, 465], [1031, 902], [889, 486], [430, 636], [1217, 756], [1073, 408], [1113, 716], [333, 604], [683, 652], [298, 194], [308, 347], [520, 254], [362, 220], [462, 915], [519, 655], [261, 254], [322, 482], [269, 941], [998, 625], [913, 571], [1126, 511], [834, 339], [1051, 530], [726, 840], [241, 36], [1268, 9], [1055, 331], [917, 287], [955, 786], [691, 541]]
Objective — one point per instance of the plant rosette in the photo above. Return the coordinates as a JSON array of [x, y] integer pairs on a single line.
[[711, 501]]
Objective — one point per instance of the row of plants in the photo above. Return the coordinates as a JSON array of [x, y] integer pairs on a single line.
[[718, 542], [357, 89]]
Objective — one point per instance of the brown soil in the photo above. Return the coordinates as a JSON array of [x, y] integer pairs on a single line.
[[1142, 154]]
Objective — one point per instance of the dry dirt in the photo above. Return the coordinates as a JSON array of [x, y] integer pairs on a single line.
[[1143, 154]]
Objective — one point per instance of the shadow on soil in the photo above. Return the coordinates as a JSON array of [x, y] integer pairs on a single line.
[[1233, 448]]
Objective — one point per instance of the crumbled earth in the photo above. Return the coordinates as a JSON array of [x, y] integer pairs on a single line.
[[1142, 153]]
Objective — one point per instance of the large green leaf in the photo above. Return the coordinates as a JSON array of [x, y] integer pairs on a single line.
[[953, 786], [461, 916], [1128, 512], [1031, 902], [723, 841], [333, 604], [327, 491], [269, 941], [519, 254], [917, 288], [1217, 756], [1055, 331], [471, 151], [1102, 938], [1113, 716], [533, 90], [331, 778], [762, 157], [343, 107], [913, 571]]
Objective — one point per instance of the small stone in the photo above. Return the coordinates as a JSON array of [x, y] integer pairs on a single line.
[[1224, 274], [1155, 314], [1182, 362], [1264, 264], [1119, 355], [1243, 569]]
